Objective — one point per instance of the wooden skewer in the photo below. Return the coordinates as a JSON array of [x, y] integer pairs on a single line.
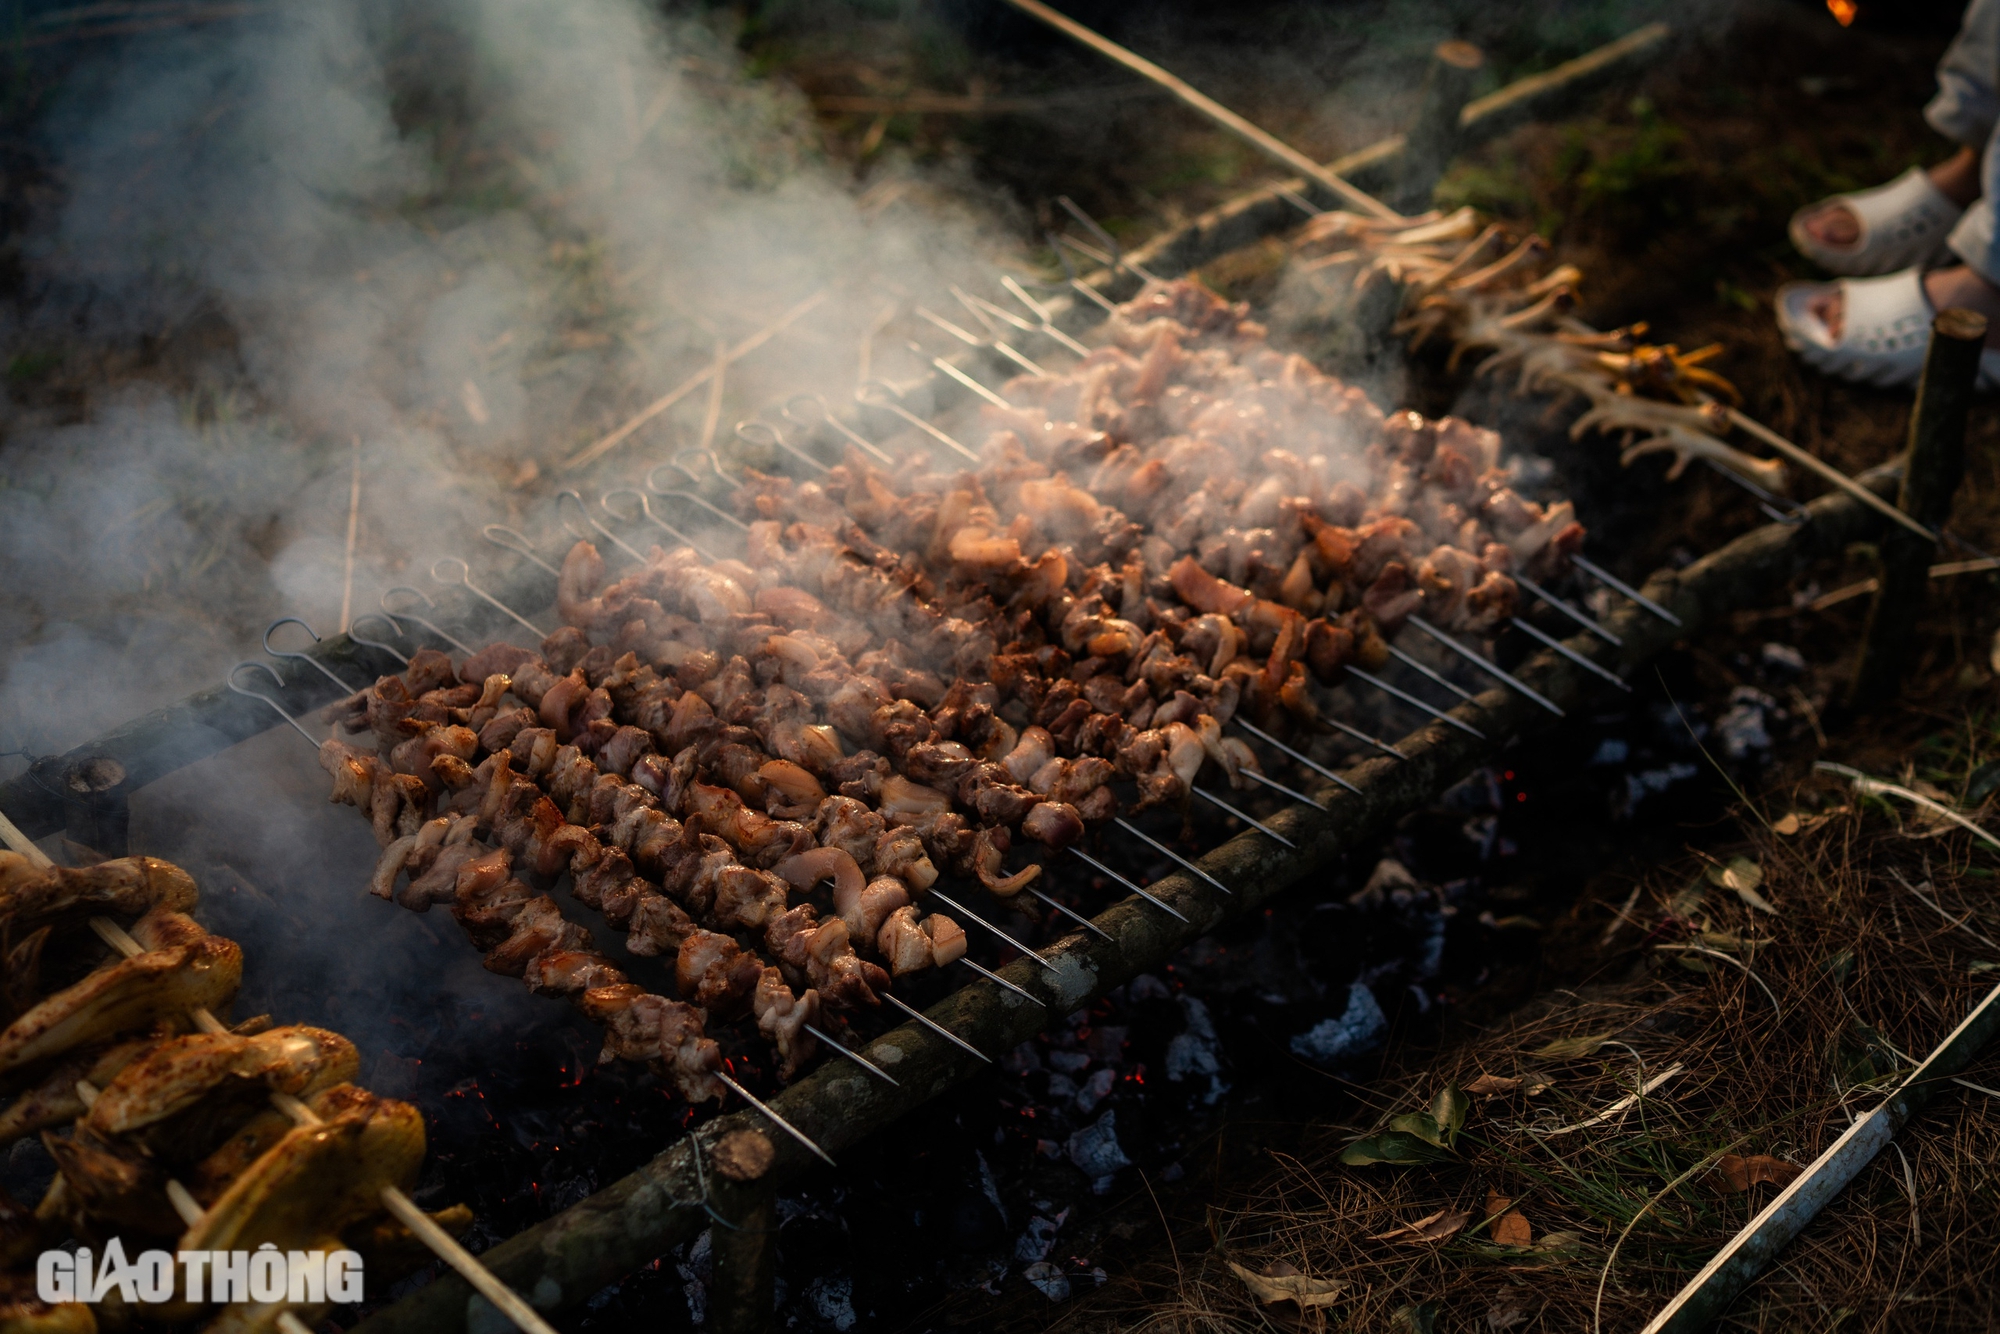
[[405, 1210], [592, 452], [1814, 464], [1257, 136]]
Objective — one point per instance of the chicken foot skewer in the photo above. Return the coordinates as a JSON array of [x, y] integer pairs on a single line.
[[400, 1205]]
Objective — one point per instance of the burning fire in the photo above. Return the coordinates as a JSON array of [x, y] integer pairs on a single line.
[[1843, 11]]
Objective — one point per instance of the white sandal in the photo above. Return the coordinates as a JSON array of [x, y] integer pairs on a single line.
[[1885, 327], [1903, 223]]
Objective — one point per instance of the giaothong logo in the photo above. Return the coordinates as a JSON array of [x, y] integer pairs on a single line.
[[266, 1274]]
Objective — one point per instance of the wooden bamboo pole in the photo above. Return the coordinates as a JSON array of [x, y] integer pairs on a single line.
[[1256, 136], [1936, 462]]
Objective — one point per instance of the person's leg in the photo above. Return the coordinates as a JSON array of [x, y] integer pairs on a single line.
[[1965, 110]]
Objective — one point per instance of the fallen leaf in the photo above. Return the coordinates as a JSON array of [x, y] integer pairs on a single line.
[[1504, 1317], [1391, 1146], [1537, 1084], [1449, 1109], [1512, 1230], [1414, 1319], [1293, 1287], [1570, 1049], [1742, 1173], [1510, 1225], [1787, 824], [1559, 1243], [1492, 1086], [1743, 876], [1440, 1226]]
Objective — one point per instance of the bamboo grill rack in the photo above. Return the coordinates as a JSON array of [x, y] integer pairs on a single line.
[[566, 1258]]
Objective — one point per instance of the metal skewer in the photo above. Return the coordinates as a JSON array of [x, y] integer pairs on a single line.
[[1069, 912], [1612, 581], [306, 658], [992, 976], [276, 707], [1432, 674], [395, 628], [601, 530], [1056, 244], [692, 497], [1777, 508], [974, 340], [400, 616], [1256, 776], [935, 1027], [500, 535], [1307, 761], [876, 394], [1414, 702], [955, 904], [646, 512], [853, 1056], [464, 579], [1244, 816], [1362, 736], [1557, 604], [1484, 664], [776, 1120], [1132, 885], [823, 416], [761, 434], [1157, 846], [1550, 641], [955, 373], [988, 311], [1105, 239]]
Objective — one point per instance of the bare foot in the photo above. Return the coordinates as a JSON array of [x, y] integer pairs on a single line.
[[1957, 179], [1955, 286]]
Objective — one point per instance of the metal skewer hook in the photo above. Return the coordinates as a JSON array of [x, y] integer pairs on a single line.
[[597, 527], [395, 628], [442, 564], [276, 707], [876, 394], [810, 412], [692, 497], [508, 539], [763, 435], [306, 658], [400, 616], [645, 511]]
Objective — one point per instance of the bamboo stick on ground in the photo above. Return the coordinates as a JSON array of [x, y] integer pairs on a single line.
[[1255, 135]]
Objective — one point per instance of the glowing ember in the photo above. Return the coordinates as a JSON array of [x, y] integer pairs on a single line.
[[1843, 11]]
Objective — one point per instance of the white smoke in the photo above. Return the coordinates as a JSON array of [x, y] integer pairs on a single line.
[[463, 239]]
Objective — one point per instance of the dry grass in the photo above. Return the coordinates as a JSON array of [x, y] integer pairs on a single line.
[[1867, 975]]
